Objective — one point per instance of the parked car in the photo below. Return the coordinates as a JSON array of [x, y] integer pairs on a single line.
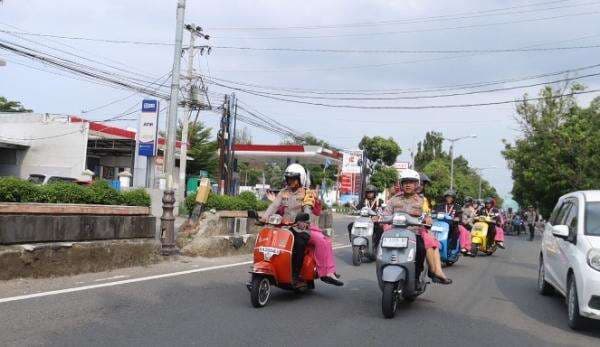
[[45, 179], [569, 260]]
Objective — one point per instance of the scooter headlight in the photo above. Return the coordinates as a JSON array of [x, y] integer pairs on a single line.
[[411, 255], [379, 252], [593, 258]]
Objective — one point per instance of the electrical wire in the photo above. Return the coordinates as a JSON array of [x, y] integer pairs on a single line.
[[386, 22], [403, 107], [437, 96]]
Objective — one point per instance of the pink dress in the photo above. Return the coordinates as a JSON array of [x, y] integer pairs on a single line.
[[465, 237], [499, 234], [323, 251]]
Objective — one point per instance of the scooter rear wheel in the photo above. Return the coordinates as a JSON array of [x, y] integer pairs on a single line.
[[260, 293], [356, 256], [389, 300]]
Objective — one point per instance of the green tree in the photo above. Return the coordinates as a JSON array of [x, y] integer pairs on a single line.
[[384, 177], [380, 150], [429, 149], [11, 106], [249, 176], [557, 152], [200, 147], [273, 173]]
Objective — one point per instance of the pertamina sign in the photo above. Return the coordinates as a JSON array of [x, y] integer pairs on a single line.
[[148, 130]]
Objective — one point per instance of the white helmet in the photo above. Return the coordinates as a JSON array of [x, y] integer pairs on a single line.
[[409, 175], [296, 171]]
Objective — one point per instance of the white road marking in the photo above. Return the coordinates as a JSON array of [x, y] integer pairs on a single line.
[[111, 278], [133, 280]]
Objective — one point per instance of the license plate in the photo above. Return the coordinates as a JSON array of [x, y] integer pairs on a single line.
[[437, 228], [395, 242], [361, 224]]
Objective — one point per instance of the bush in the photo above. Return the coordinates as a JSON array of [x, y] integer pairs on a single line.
[[100, 192], [66, 193], [136, 197], [104, 194], [243, 202], [13, 189]]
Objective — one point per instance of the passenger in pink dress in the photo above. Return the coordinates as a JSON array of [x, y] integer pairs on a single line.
[[490, 211], [467, 219], [323, 252]]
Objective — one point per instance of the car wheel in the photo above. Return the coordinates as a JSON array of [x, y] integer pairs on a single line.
[[544, 287], [576, 321]]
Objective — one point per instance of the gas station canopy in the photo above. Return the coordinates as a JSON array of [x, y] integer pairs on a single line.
[[257, 155]]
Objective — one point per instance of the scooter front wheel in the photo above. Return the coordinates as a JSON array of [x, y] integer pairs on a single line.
[[260, 292], [356, 256], [389, 300]]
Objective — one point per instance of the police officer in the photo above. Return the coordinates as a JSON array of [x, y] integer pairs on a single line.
[[410, 202]]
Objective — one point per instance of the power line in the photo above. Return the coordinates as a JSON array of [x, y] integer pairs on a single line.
[[415, 31], [437, 96], [393, 107], [396, 91], [408, 51], [385, 22]]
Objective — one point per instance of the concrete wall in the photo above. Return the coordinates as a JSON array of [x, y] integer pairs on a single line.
[[56, 147]]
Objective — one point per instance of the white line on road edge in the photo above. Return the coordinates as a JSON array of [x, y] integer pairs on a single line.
[[133, 280]]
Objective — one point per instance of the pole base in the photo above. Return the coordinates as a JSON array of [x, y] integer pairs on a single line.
[[169, 250]]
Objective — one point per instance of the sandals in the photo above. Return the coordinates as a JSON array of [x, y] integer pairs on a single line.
[[331, 280], [437, 279]]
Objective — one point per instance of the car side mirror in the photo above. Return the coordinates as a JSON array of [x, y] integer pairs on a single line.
[[561, 231]]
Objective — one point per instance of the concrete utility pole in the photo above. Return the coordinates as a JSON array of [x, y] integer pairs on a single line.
[[452, 141], [479, 172], [167, 220], [192, 104]]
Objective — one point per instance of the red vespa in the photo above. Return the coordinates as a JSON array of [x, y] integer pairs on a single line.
[[273, 263]]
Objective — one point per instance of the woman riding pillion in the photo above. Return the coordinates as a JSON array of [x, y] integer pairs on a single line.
[[410, 202], [467, 219], [489, 210], [451, 209], [292, 200]]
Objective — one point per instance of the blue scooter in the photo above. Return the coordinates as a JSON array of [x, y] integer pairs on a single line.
[[441, 230]]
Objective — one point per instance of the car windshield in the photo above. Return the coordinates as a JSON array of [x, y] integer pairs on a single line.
[[592, 218], [37, 179]]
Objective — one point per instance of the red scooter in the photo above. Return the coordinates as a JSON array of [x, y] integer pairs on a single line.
[[273, 263]]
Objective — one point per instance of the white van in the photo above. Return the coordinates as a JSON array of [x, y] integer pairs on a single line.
[[570, 255]]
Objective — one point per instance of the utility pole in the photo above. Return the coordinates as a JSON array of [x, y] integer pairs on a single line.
[[192, 104], [167, 220], [452, 141], [223, 138], [480, 172]]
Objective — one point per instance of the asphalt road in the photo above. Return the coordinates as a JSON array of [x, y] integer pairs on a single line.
[[493, 302]]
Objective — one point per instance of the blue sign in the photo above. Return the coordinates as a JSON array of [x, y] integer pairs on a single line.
[[148, 130], [149, 106]]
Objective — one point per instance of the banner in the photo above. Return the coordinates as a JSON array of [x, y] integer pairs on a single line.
[[148, 130], [352, 162]]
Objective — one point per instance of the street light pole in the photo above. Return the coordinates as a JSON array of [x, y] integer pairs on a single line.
[[167, 220], [479, 172], [452, 141]]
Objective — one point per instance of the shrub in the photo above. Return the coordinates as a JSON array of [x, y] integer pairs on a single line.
[[243, 202], [136, 197], [17, 190], [66, 193], [13, 189], [104, 194]]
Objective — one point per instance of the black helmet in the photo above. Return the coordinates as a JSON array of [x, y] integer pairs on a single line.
[[468, 199], [489, 201], [424, 179], [450, 192], [371, 189]]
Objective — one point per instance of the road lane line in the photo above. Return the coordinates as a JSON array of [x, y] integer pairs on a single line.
[[133, 280]]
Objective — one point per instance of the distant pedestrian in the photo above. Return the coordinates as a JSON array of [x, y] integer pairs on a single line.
[[531, 218]]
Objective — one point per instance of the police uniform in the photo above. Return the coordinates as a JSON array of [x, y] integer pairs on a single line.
[[413, 205], [289, 204]]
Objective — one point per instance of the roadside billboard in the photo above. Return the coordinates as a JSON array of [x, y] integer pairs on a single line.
[[148, 131], [352, 161]]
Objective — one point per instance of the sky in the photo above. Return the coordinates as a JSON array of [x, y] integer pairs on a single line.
[[333, 24]]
